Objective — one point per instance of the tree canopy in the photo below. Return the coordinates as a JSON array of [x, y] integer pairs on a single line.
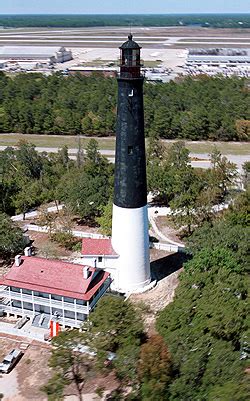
[[205, 328], [194, 109], [11, 237]]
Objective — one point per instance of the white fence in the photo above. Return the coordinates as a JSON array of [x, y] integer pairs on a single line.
[[79, 234], [167, 247]]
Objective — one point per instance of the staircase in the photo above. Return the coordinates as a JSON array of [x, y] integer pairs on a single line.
[[41, 320]]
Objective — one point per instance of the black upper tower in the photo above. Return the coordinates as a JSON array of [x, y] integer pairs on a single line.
[[130, 162]]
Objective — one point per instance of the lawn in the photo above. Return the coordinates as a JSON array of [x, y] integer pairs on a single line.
[[108, 143]]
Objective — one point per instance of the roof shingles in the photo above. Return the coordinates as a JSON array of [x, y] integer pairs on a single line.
[[54, 277], [97, 247]]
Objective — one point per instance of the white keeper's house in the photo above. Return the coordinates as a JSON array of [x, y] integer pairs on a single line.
[[99, 253], [43, 289]]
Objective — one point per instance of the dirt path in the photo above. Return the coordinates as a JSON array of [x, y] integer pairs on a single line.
[[165, 269]]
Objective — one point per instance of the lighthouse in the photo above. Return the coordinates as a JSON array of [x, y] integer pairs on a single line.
[[130, 238]]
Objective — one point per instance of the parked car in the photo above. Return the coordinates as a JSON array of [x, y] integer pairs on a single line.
[[10, 360]]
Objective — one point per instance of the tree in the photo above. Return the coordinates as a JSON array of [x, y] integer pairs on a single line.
[[154, 369], [29, 160], [63, 156], [155, 163], [243, 129], [87, 189], [84, 193], [223, 172], [115, 326], [55, 387], [105, 220], [205, 327], [27, 196], [46, 218], [93, 155], [11, 237], [233, 229], [246, 175], [69, 363]]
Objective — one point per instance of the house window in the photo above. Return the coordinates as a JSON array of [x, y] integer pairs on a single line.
[[130, 150], [14, 289], [99, 259]]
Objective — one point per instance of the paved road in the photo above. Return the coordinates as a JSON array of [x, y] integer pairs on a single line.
[[239, 160]]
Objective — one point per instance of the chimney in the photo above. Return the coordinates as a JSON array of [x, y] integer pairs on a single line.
[[18, 259], [86, 272], [27, 251]]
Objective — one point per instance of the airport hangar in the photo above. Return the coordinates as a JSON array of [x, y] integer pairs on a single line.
[[217, 57], [49, 54]]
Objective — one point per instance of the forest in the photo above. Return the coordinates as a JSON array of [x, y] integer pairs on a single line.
[[195, 109], [75, 21], [199, 347], [30, 179]]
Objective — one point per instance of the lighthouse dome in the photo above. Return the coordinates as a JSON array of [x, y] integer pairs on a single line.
[[130, 43]]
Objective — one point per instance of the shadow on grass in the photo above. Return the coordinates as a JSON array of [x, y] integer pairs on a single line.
[[163, 267]]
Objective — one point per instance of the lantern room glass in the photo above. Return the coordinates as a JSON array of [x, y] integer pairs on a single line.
[[130, 57]]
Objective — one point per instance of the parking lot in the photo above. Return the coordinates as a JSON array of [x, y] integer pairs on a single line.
[[24, 381]]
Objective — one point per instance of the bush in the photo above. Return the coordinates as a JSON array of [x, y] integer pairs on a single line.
[[65, 239]]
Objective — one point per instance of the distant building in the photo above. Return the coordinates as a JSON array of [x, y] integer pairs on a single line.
[[217, 57], [51, 54], [43, 289], [108, 72]]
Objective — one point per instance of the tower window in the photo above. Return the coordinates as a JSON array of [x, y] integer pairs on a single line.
[[130, 150]]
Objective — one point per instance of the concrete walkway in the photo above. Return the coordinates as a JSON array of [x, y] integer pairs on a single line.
[[27, 331], [154, 212]]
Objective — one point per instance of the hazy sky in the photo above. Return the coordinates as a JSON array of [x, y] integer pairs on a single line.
[[122, 6]]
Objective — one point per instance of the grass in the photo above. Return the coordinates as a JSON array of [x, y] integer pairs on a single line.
[[55, 141], [99, 63], [227, 148], [151, 63]]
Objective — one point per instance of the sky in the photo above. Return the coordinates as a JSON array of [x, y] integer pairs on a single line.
[[122, 6]]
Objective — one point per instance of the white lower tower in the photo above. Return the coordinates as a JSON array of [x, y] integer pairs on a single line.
[[130, 240], [130, 237]]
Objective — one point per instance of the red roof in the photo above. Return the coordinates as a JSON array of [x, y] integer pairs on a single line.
[[97, 247], [54, 277]]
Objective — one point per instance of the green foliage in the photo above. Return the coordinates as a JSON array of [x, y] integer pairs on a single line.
[[54, 388], [205, 328], [155, 369], [65, 239], [215, 258], [200, 108], [11, 237], [116, 326], [206, 20], [105, 220], [69, 364], [28, 178], [117, 321], [87, 189], [230, 391], [229, 234], [191, 193]]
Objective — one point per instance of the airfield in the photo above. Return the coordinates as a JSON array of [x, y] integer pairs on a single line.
[[97, 46]]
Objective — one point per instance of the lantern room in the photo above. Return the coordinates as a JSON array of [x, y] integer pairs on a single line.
[[130, 59]]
